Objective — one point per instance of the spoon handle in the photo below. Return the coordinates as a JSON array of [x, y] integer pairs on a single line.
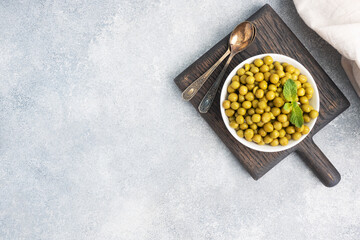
[[210, 95], [194, 87]]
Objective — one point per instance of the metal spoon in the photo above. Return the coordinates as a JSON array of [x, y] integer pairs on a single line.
[[194, 87], [239, 39]]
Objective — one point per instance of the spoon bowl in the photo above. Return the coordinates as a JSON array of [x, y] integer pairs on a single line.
[[241, 37]]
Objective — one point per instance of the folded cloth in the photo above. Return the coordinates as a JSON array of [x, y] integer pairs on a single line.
[[338, 22]]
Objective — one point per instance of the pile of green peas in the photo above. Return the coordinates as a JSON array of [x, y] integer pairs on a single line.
[[255, 101]]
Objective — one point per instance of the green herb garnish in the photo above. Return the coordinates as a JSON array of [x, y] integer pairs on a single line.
[[290, 90], [296, 116], [290, 94], [287, 106]]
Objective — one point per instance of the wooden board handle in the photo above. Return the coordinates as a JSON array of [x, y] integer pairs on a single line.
[[319, 163]]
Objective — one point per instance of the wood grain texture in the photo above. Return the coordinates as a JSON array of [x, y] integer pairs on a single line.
[[273, 36], [319, 163]]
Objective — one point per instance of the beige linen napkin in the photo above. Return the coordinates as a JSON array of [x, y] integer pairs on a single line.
[[338, 22]]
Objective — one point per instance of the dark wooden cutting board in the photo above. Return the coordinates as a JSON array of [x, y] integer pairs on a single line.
[[273, 36]]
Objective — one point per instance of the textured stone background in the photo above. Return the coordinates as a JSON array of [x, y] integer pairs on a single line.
[[96, 143]]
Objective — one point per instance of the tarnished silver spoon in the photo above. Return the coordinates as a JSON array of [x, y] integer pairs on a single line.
[[194, 87], [239, 39]]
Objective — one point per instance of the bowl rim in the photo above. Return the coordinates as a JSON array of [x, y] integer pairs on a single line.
[[315, 102]]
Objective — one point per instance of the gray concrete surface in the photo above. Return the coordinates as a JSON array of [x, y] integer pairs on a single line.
[[96, 143]]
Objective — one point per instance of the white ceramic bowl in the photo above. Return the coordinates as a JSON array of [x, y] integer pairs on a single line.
[[315, 102]]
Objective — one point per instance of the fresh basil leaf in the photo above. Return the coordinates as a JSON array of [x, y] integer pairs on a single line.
[[287, 106], [290, 90], [296, 116]]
